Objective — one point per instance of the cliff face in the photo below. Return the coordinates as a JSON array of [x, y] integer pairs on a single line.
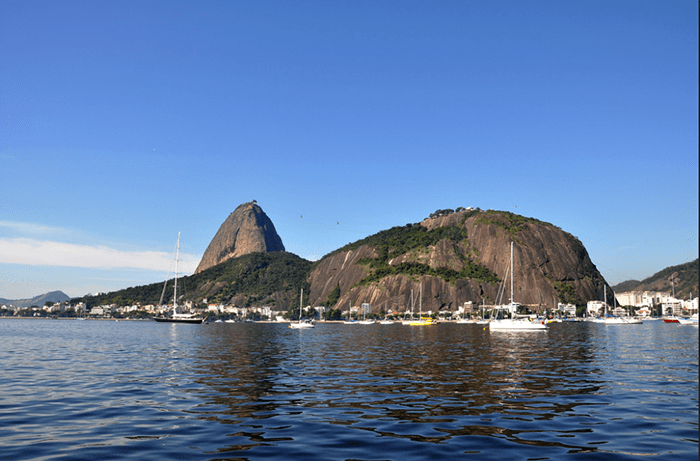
[[551, 266], [246, 230]]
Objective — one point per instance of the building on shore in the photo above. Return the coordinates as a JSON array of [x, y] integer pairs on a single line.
[[647, 302]]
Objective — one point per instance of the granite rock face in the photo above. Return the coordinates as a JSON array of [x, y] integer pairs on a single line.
[[551, 266], [246, 230]]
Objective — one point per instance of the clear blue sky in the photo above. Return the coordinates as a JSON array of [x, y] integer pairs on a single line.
[[126, 122]]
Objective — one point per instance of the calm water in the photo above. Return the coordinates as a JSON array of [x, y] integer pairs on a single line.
[[141, 390]]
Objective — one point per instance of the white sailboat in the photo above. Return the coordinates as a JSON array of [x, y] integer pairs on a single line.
[[350, 320], [516, 322], [385, 320], [301, 323], [364, 320], [692, 320], [177, 317], [405, 320], [481, 320], [614, 320]]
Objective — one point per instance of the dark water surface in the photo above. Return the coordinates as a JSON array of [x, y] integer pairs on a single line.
[[89, 390]]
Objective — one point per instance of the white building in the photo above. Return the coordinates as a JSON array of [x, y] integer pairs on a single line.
[[366, 308], [595, 308], [672, 307], [467, 308], [642, 298], [568, 309], [690, 305]]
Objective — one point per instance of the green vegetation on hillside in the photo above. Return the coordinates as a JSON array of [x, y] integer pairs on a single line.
[[144, 295], [509, 222], [567, 293], [257, 276], [402, 239], [685, 281], [446, 212], [397, 241], [333, 296]]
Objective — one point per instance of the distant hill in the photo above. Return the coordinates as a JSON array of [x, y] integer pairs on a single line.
[[684, 276], [54, 297]]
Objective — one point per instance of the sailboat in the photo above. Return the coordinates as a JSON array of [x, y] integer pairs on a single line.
[[405, 320], [364, 320], [385, 320], [463, 320], [300, 323], [421, 320], [481, 320], [176, 317], [516, 322], [614, 320], [349, 321]]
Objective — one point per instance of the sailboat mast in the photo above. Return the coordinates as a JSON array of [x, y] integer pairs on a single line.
[[605, 300], [177, 258], [420, 301], [301, 299], [511, 272]]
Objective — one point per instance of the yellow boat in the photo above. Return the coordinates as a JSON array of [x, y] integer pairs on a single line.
[[422, 321]]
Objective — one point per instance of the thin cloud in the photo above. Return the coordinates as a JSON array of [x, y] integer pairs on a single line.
[[25, 251], [30, 228]]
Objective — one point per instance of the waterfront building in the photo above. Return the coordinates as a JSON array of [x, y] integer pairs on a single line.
[[568, 309], [595, 308], [647, 301]]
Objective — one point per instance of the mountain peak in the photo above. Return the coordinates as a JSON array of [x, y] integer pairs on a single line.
[[246, 230]]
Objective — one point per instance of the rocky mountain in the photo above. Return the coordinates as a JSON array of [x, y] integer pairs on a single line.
[[681, 279], [454, 256], [458, 257], [246, 230], [39, 301]]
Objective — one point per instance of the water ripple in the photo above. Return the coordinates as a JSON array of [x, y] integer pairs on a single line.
[[137, 390]]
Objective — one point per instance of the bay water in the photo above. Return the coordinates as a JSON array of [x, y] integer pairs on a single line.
[[128, 390]]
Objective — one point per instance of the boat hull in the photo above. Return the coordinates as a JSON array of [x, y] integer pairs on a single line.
[[517, 325], [420, 323], [171, 320]]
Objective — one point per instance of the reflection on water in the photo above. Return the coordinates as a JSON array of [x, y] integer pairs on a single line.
[[389, 384], [263, 391]]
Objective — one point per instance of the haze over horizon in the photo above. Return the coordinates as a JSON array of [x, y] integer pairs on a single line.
[[124, 123]]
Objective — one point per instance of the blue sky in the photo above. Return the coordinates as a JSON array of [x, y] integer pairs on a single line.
[[126, 122]]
